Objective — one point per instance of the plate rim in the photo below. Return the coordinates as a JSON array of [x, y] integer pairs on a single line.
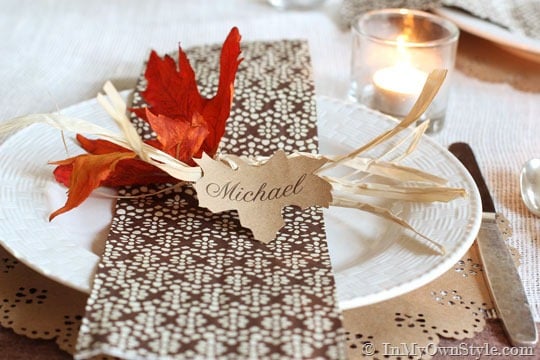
[[490, 31]]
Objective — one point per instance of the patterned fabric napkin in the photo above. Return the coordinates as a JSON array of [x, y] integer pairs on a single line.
[[178, 282], [519, 16]]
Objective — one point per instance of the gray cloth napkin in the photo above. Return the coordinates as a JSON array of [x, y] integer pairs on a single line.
[[352, 8], [518, 16]]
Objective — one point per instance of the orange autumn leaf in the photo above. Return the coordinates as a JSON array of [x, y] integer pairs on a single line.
[[89, 171], [98, 146], [137, 172], [126, 172], [179, 139], [186, 124], [172, 91], [132, 171]]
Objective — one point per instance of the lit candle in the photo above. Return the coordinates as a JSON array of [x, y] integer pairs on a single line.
[[397, 87]]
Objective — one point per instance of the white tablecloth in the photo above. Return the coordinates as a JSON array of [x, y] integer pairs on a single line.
[[55, 53]]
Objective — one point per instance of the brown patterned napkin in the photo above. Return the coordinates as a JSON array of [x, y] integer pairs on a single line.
[[177, 281]]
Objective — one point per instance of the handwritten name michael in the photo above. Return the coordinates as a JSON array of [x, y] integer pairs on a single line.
[[236, 192]]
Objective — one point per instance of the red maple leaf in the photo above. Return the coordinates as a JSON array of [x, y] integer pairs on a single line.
[[186, 125], [172, 92]]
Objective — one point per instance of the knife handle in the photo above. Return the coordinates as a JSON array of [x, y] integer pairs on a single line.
[[501, 274], [464, 153], [505, 285]]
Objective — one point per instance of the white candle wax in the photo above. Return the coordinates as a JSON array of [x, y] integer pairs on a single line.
[[396, 88]]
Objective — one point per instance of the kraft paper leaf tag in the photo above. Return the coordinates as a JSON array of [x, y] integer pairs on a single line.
[[260, 192]]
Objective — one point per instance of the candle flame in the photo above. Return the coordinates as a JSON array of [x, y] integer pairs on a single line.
[[402, 39], [404, 58]]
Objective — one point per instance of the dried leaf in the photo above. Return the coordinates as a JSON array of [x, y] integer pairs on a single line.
[[88, 173], [180, 139], [99, 146], [173, 93], [185, 124], [216, 111]]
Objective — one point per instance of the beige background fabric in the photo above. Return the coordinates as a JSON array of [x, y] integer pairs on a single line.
[[57, 53]]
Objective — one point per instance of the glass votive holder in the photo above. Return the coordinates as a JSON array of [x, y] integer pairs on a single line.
[[393, 52]]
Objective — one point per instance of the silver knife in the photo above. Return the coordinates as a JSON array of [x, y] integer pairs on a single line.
[[502, 277]]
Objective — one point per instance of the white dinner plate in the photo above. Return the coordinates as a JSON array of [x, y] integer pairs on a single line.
[[373, 259], [518, 44]]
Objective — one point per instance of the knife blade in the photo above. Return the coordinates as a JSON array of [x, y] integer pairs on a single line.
[[501, 274]]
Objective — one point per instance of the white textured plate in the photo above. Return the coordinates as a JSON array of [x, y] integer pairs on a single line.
[[518, 44], [373, 259]]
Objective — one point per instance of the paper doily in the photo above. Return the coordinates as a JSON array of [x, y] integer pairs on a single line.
[[455, 306], [37, 307]]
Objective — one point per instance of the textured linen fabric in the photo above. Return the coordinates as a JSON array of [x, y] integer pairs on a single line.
[[60, 52]]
